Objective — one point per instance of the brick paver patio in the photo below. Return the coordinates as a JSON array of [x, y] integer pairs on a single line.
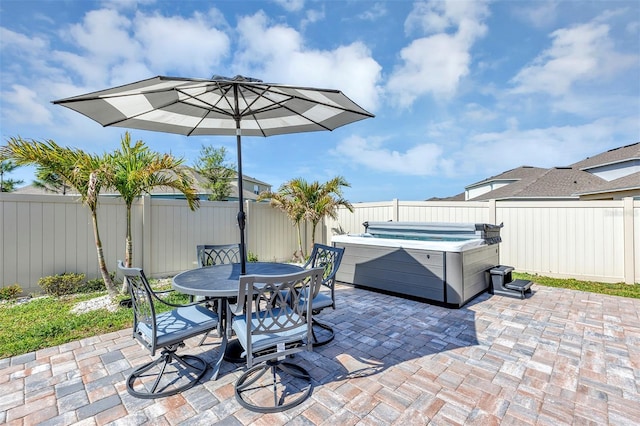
[[559, 357]]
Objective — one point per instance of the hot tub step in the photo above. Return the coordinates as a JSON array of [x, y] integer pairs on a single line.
[[520, 285]]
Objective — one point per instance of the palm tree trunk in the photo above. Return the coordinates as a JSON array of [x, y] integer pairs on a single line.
[[300, 253], [128, 250], [313, 234], [111, 289]]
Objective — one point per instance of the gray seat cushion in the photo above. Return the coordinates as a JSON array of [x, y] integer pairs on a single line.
[[180, 324]]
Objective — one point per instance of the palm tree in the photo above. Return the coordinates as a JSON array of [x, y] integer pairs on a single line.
[[319, 200], [136, 170], [309, 201], [50, 182], [86, 173], [285, 200]]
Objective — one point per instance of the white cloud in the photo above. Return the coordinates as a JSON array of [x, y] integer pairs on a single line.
[[117, 50], [291, 5], [277, 54], [377, 11], [437, 16], [486, 154], [539, 14], [435, 64], [540, 147], [419, 160], [26, 106], [10, 40], [311, 17], [579, 54], [479, 113], [190, 46]]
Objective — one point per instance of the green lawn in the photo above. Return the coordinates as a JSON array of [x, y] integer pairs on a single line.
[[619, 289], [48, 321]]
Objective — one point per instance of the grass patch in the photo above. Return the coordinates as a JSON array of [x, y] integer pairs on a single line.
[[48, 321], [619, 289]]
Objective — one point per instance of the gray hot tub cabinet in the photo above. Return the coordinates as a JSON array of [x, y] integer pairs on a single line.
[[449, 278]]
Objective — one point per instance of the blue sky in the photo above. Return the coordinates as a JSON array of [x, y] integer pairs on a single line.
[[462, 90]]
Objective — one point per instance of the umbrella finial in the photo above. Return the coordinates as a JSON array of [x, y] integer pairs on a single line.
[[236, 78]]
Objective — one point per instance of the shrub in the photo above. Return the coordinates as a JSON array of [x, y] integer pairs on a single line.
[[62, 284], [10, 292], [251, 257], [96, 284]]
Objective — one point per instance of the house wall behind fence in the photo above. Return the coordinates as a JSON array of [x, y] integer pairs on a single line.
[[47, 235]]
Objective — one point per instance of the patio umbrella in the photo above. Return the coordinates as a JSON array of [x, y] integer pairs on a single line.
[[237, 106]]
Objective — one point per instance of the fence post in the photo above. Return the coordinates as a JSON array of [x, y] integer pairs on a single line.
[[145, 219], [629, 249], [396, 209], [492, 211]]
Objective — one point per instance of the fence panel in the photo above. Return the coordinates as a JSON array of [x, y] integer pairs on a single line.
[[582, 239], [272, 237], [440, 211], [47, 235], [176, 230]]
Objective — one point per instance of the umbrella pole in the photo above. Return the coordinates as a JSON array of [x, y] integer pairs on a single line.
[[241, 215]]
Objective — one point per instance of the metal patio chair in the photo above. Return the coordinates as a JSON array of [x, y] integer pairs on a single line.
[[216, 254], [170, 373], [328, 258], [270, 330]]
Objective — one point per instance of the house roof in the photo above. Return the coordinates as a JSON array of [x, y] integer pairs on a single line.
[[561, 182], [616, 155], [519, 173], [199, 182], [625, 183], [557, 182]]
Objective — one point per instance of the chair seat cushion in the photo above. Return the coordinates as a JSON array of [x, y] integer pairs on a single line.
[[267, 340], [180, 324], [321, 301]]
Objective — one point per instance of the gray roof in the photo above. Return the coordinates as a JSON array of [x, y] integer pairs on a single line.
[[164, 190], [625, 183], [520, 173], [562, 182], [616, 155], [557, 182]]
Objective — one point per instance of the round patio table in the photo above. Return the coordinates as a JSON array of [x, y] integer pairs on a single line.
[[221, 282]]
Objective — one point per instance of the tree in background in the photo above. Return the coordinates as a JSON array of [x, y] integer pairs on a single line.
[[313, 202], [6, 167], [212, 166], [50, 182], [320, 200], [84, 172], [285, 200], [135, 170]]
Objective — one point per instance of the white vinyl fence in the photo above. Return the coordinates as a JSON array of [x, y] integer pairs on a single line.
[[52, 234], [587, 240]]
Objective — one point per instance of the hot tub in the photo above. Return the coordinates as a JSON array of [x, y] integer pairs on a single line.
[[446, 263]]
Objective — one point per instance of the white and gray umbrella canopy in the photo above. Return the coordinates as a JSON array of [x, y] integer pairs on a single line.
[[237, 106]]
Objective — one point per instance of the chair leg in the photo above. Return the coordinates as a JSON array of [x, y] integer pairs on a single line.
[[315, 325], [216, 305], [185, 373], [289, 383]]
